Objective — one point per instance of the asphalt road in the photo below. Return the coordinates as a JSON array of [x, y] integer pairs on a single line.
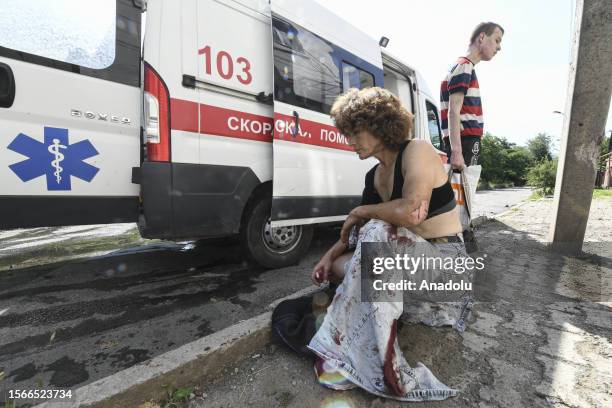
[[80, 303], [491, 202]]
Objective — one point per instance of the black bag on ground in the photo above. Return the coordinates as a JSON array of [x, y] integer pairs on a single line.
[[294, 321], [294, 324]]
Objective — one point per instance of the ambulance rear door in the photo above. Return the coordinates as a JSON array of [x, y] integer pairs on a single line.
[[317, 176], [69, 111]]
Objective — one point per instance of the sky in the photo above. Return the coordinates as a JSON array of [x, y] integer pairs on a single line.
[[520, 87]]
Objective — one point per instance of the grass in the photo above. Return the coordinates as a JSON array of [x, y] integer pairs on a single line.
[[598, 193], [602, 193], [176, 398], [536, 195]]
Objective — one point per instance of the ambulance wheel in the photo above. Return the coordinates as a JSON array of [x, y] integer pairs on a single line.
[[273, 247]]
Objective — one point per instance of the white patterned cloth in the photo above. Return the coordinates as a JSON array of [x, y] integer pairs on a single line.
[[356, 343]]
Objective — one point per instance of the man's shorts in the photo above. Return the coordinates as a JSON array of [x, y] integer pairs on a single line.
[[471, 147]]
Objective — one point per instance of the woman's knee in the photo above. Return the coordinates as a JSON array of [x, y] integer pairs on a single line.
[[382, 231], [375, 231], [338, 268]]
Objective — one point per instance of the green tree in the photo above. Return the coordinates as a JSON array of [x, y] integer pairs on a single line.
[[493, 158], [540, 147], [543, 176], [519, 161], [503, 162]]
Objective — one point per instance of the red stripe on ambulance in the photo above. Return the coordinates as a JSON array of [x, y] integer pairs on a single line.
[[231, 123], [312, 133], [217, 121], [183, 115]]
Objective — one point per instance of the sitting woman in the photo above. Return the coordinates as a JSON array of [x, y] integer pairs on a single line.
[[407, 203]]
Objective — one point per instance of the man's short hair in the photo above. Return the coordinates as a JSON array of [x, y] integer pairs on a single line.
[[486, 28]]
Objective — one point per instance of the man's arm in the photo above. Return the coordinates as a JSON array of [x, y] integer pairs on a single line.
[[454, 126]]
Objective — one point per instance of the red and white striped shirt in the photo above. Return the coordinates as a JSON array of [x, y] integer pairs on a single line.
[[462, 78]]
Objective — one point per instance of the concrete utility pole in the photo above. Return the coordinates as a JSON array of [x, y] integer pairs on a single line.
[[588, 100]]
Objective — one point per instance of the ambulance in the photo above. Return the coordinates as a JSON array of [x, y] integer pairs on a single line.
[[216, 124]]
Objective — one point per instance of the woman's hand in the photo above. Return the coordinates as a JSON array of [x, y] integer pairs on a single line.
[[352, 220], [320, 273]]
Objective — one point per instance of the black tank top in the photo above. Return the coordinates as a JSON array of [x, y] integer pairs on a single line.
[[442, 198]]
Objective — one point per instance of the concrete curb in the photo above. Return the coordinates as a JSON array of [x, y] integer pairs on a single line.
[[191, 363], [304, 292]]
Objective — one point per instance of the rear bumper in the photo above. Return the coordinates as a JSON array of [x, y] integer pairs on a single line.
[[190, 201]]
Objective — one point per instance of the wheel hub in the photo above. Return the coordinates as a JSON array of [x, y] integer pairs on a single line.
[[281, 239]]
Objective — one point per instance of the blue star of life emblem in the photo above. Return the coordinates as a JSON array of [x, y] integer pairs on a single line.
[[55, 158]]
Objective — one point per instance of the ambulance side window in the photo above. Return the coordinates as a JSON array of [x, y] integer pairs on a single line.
[[353, 77], [81, 34], [99, 38], [306, 72], [433, 124]]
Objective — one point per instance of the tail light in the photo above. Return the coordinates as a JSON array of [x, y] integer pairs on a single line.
[[156, 116]]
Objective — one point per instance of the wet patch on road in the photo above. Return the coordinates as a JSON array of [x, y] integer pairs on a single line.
[[48, 299], [204, 329], [111, 273], [24, 372], [67, 372], [127, 357]]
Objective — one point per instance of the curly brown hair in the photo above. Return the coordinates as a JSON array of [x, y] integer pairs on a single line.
[[374, 110]]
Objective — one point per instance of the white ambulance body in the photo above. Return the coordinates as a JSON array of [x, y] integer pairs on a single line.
[[235, 136]]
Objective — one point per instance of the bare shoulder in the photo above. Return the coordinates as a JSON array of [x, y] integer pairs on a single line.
[[418, 158], [418, 166], [419, 151]]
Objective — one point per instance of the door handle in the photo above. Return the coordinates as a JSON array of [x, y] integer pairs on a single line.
[[296, 122], [7, 86]]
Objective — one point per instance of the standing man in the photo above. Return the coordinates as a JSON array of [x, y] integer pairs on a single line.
[[462, 124]]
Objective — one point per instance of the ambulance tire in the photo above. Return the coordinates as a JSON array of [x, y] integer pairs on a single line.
[[272, 247]]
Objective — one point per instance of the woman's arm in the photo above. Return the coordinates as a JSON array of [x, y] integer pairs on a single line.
[[320, 273], [397, 212], [336, 250], [411, 209]]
